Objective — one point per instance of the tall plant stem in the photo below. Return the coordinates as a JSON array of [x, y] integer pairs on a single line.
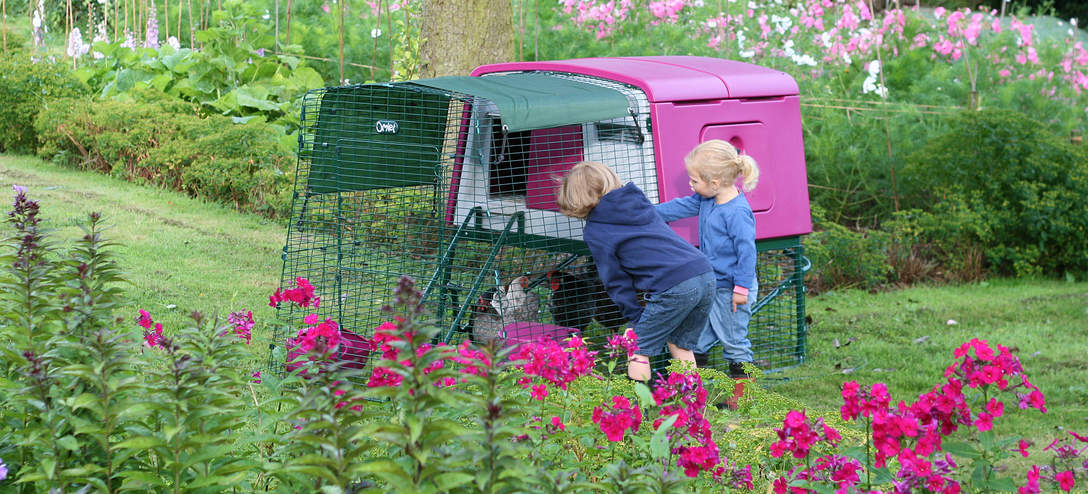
[[389, 27], [192, 31], [277, 38], [180, 9], [166, 16], [4, 22], [887, 127], [288, 40], [341, 4]]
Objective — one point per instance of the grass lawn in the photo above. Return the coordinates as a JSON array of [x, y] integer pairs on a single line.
[[183, 255], [180, 254], [906, 338]]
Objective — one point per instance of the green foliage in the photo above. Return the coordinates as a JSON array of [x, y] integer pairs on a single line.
[[25, 86], [1005, 177], [165, 142], [845, 258]]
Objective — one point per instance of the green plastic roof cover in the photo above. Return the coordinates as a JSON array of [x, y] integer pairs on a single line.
[[537, 101]]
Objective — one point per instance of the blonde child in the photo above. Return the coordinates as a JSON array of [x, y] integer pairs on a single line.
[[635, 250], [727, 235]]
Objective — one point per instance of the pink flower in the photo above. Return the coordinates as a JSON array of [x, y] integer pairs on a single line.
[[558, 423], [242, 323], [1065, 480], [540, 391], [256, 377], [1022, 447], [302, 294], [615, 422]]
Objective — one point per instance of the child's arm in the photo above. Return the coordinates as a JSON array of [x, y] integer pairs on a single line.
[[681, 207], [742, 232], [618, 284]]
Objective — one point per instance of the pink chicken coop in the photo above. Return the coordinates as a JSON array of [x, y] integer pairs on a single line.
[[452, 181]]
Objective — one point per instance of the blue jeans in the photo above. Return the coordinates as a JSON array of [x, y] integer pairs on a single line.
[[677, 315], [728, 327]]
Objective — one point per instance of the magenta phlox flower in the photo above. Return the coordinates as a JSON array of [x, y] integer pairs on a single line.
[[1032, 486], [326, 332], [1065, 480], [302, 295], [797, 435], [555, 363], [243, 323], [617, 419], [152, 337], [627, 343]]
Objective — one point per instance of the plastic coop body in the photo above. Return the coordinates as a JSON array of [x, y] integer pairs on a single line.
[[679, 101]]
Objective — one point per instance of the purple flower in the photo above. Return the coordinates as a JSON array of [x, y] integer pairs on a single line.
[[3, 470], [260, 52]]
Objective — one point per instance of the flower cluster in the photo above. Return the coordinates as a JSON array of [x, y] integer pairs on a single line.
[[302, 294], [320, 336], [553, 362], [986, 369], [243, 323], [798, 436], [683, 396], [622, 343], [152, 337], [617, 419]]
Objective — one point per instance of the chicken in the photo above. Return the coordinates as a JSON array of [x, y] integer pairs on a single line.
[[572, 303], [486, 319], [518, 303], [605, 311], [579, 299]]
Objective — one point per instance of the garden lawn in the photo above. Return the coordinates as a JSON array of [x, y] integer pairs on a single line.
[[905, 339], [180, 254]]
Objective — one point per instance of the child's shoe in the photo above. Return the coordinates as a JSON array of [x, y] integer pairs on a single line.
[[736, 370], [702, 360]]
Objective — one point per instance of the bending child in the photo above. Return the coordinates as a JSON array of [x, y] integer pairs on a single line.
[[635, 250], [727, 235]]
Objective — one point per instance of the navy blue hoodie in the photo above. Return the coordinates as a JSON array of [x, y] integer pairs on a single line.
[[636, 251]]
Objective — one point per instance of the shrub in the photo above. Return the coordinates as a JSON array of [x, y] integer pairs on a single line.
[[845, 258], [163, 141], [25, 86], [1011, 185]]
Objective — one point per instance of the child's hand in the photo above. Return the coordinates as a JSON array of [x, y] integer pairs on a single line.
[[739, 299]]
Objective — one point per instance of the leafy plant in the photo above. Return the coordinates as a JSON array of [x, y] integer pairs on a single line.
[[24, 89]]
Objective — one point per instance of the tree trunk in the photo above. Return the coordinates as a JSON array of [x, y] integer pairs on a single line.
[[462, 34]]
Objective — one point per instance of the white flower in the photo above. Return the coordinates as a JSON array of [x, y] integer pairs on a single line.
[[76, 48], [747, 53], [825, 38], [173, 41], [869, 85], [1073, 22], [804, 60], [374, 33]]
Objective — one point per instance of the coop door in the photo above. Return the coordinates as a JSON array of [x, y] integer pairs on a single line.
[[370, 137], [749, 138]]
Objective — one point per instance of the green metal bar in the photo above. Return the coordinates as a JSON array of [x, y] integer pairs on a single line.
[[519, 219], [444, 261], [340, 258], [801, 266]]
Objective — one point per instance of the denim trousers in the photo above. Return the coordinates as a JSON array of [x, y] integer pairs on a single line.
[[677, 315], [727, 327]]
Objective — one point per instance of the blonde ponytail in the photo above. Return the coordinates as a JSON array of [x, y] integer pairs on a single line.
[[748, 170]]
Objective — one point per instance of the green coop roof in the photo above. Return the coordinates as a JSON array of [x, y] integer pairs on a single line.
[[535, 101]]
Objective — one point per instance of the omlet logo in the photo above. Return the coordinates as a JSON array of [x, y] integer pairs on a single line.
[[386, 126]]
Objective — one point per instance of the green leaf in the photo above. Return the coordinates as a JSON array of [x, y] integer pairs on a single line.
[[69, 443], [963, 449], [1002, 484], [659, 443], [140, 442], [448, 481], [645, 397]]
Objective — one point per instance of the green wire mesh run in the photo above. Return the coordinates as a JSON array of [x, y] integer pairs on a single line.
[[404, 180]]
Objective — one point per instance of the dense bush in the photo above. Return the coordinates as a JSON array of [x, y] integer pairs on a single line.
[[164, 141], [1012, 186], [24, 88], [842, 257]]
